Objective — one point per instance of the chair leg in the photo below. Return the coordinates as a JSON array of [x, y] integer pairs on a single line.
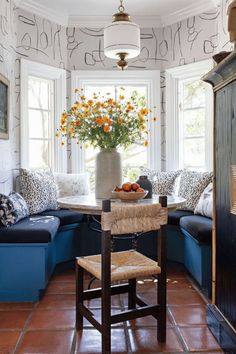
[[79, 296], [161, 286], [106, 286], [132, 294], [161, 322], [106, 319]]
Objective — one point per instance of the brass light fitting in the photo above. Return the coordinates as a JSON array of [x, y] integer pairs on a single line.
[[122, 63]]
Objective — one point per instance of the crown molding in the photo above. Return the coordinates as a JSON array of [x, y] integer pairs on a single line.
[[17, 2], [200, 6], [101, 21], [216, 2], [44, 11]]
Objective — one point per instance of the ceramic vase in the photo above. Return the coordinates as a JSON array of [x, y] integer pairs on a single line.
[[108, 172], [146, 184]]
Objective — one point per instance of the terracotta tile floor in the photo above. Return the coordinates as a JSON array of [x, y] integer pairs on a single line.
[[48, 325]]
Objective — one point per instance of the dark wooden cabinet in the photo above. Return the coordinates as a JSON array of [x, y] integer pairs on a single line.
[[221, 316]]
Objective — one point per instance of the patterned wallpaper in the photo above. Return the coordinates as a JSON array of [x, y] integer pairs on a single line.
[[23, 34], [9, 67], [184, 42], [85, 50], [41, 40]]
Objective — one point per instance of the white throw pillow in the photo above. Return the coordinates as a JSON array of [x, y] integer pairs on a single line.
[[72, 184], [205, 204], [176, 185]]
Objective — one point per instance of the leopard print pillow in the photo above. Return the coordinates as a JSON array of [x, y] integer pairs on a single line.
[[192, 184], [38, 188], [162, 182]]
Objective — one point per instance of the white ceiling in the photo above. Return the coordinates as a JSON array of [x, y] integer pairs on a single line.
[[148, 12]]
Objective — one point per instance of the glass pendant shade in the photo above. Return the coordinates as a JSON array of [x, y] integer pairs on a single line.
[[122, 37]]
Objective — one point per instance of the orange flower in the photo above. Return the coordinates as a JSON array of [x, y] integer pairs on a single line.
[[82, 97], [142, 127], [63, 118], [77, 104], [110, 101], [130, 108], [145, 143], [121, 97], [120, 121], [106, 129], [78, 122], [98, 104], [107, 120], [99, 120], [141, 117], [71, 130], [63, 129], [144, 111], [74, 106], [90, 102]]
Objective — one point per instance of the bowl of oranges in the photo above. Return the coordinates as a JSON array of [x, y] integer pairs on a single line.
[[129, 192]]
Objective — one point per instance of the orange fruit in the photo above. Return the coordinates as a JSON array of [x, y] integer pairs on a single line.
[[140, 190], [135, 186], [126, 186]]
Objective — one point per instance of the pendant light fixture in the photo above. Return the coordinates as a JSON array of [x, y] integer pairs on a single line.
[[122, 38]]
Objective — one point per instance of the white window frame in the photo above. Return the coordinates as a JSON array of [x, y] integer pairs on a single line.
[[173, 76], [151, 78], [30, 68]]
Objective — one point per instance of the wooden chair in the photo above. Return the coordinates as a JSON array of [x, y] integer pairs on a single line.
[[126, 265]]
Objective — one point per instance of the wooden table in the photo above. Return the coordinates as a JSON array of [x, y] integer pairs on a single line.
[[88, 204]]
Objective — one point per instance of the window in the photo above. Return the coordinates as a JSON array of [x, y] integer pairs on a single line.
[[189, 118], [192, 124], [40, 122], [147, 88], [43, 98]]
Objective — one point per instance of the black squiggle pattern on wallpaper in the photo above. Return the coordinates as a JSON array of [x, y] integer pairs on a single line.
[[210, 44], [177, 44], [192, 33], [95, 56], [210, 15], [92, 32], [42, 38], [72, 43]]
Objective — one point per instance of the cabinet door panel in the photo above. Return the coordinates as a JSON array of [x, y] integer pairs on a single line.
[[225, 160]]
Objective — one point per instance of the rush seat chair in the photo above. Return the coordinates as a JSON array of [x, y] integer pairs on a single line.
[[109, 267]]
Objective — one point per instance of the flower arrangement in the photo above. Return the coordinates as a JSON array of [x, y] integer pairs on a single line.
[[105, 122]]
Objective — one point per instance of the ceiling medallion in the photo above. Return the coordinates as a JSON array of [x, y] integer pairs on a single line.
[[122, 38]]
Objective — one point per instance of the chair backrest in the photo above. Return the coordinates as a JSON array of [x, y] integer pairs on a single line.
[[132, 218]]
